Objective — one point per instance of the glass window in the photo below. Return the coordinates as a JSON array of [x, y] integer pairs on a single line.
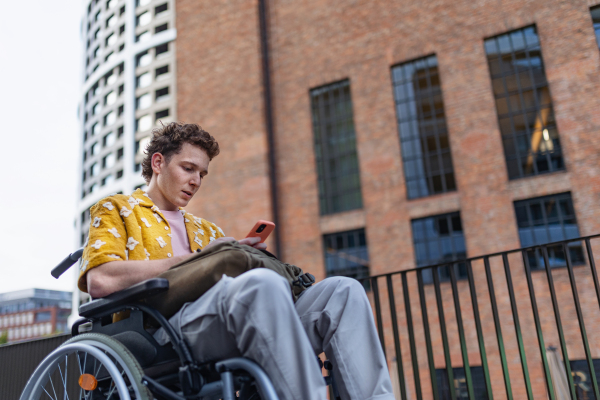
[[523, 104], [335, 148], [107, 180], [111, 39], [109, 139], [144, 101], [108, 161], [162, 72], [142, 3], [161, 8], [582, 377], [439, 239], [111, 21], [110, 118], [94, 169], [422, 128], [346, 254], [95, 149], [144, 123], [460, 383], [143, 59], [95, 128], [96, 108], [162, 114], [110, 98], [144, 18], [596, 20], [142, 144], [144, 80], [43, 316], [111, 3], [548, 219], [110, 79], [162, 94], [142, 37], [162, 49], [161, 28]]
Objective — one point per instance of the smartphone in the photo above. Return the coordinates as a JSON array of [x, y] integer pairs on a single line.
[[262, 229]]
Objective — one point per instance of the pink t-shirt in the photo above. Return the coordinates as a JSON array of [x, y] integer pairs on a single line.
[[179, 240]]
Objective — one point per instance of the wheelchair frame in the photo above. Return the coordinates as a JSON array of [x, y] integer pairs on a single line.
[[136, 350]]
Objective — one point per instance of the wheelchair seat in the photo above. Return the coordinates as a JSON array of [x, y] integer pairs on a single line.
[[122, 360]]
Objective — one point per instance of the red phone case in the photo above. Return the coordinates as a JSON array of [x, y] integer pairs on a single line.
[[264, 233]]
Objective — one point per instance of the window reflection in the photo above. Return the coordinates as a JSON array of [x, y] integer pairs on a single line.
[[439, 239], [545, 220], [422, 128], [523, 103]]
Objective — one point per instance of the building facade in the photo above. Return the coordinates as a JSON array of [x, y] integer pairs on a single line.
[[385, 136], [127, 87], [379, 136], [34, 313]]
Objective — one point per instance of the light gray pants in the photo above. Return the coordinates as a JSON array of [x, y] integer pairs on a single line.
[[253, 315]]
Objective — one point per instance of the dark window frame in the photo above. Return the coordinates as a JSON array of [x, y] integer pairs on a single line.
[[447, 226], [336, 155], [595, 14], [535, 256], [518, 79], [354, 242], [422, 129]]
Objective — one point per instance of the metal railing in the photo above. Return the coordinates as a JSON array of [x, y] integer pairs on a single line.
[[465, 322]]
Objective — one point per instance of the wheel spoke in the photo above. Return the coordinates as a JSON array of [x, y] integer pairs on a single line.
[[47, 392], [79, 363], [54, 390], [64, 380], [114, 387]]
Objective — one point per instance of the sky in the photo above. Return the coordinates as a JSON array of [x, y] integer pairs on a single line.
[[40, 89]]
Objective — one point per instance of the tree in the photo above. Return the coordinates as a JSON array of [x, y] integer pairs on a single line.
[[4, 337]]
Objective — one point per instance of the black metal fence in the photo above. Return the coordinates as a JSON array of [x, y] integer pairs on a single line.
[[486, 327], [19, 360], [491, 334]]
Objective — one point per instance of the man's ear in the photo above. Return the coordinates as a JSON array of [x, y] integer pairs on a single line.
[[157, 162]]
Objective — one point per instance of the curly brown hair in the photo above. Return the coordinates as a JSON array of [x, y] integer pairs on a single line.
[[169, 139]]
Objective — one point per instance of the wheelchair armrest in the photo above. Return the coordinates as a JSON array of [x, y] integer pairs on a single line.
[[130, 295]]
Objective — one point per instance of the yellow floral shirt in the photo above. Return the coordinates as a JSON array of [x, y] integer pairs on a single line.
[[133, 228]]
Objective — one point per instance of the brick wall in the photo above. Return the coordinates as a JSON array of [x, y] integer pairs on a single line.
[[313, 43]]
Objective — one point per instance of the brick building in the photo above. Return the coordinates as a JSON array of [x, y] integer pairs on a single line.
[[34, 313], [381, 136]]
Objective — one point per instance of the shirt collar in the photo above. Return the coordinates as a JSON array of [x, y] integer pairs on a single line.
[[144, 200]]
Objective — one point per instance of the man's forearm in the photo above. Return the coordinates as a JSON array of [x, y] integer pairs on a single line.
[[118, 275]]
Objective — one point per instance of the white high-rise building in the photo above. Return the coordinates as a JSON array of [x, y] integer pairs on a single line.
[[128, 85]]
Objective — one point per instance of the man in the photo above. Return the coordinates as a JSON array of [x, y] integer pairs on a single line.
[[137, 237]]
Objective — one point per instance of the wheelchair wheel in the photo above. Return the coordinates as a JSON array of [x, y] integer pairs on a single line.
[[90, 366]]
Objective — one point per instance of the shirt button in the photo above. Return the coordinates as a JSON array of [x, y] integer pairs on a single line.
[[168, 254], [166, 228]]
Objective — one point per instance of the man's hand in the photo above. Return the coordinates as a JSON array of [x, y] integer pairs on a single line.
[[251, 241]]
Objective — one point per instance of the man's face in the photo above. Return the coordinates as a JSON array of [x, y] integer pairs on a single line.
[[180, 178]]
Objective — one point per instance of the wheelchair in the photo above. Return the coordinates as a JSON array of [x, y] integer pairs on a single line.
[[122, 361]]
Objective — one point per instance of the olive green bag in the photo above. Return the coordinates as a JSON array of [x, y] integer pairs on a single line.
[[194, 276]]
